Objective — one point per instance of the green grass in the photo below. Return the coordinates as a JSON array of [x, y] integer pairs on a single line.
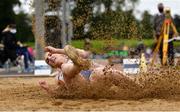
[[98, 45], [177, 43], [31, 44]]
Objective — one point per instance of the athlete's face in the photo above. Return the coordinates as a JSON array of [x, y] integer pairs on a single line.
[[54, 60]]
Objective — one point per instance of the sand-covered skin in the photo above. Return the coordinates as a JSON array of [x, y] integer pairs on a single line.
[[159, 90]]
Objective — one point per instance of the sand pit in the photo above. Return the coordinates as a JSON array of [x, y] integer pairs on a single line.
[[155, 93]]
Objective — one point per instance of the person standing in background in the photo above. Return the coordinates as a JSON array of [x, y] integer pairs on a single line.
[[10, 42], [158, 25]]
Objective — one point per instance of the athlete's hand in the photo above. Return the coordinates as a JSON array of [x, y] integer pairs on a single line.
[[50, 49]]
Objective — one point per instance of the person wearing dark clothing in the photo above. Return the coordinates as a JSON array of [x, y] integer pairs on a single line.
[[22, 50], [10, 43], [12, 48], [158, 24]]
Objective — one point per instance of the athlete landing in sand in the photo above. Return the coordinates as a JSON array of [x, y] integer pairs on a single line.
[[72, 63]]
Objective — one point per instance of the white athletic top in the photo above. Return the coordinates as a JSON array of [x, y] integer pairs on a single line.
[[59, 76]]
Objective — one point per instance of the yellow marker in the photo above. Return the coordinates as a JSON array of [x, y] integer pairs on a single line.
[[143, 65], [166, 37]]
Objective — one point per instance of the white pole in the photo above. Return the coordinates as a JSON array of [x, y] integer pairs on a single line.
[[63, 30], [39, 28]]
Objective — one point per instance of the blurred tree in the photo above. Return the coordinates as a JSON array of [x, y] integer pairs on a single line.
[[22, 21], [130, 28], [114, 23], [81, 16], [105, 24], [146, 26], [24, 27], [177, 22], [7, 14], [107, 3]]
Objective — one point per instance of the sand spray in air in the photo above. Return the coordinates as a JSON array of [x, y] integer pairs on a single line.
[[156, 83]]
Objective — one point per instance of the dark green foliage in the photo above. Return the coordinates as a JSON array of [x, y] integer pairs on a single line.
[[81, 16], [7, 14], [177, 22], [116, 24], [104, 25], [22, 21], [146, 25], [24, 29]]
